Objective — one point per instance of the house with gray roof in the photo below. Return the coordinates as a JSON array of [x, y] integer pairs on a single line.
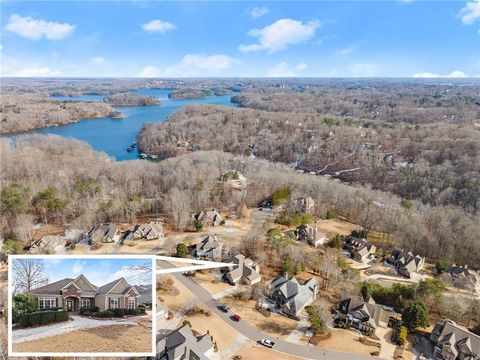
[[405, 262], [290, 295], [183, 344], [209, 218], [243, 270], [365, 316], [310, 235], [461, 276], [49, 244], [102, 233], [150, 231], [71, 294], [358, 249], [145, 292], [454, 342], [210, 247]]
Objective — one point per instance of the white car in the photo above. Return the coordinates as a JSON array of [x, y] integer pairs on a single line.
[[268, 343]]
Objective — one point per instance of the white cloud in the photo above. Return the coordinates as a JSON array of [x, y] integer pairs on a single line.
[[37, 29], [149, 71], [470, 12], [284, 70], [135, 275], [259, 11], [453, 74], [78, 267], [158, 26], [346, 50], [98, 60], [280, 35], [200, 65], [37, 72]]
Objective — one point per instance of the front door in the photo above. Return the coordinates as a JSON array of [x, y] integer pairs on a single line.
[[70, 305]]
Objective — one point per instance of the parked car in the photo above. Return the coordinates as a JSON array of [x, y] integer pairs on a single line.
[[268, 343], [236, 317], [224, 308]]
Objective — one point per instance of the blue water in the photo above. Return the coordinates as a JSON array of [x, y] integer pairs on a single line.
[[113, 136]]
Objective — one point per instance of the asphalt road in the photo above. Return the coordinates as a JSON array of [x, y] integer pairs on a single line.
[[308, 352]]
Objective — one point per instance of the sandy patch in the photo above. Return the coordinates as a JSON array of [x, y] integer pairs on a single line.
[[348, 341], [252, 351], [276, 325], [335, 226], [176, 299], [210, 282], [115, 338]]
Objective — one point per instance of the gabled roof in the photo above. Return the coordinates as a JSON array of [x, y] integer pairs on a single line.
[[182, 344], [53, 288], [102, 290], [81, 276], [457, 338]]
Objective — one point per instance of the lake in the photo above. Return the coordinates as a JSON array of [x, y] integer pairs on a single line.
[[113, 136]]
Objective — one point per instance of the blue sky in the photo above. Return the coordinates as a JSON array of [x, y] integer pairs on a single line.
[[393, 38], [99, 271]]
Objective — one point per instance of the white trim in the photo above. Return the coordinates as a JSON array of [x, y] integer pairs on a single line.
[[87, 281], [124, 282], [70, 283], [116, 303]]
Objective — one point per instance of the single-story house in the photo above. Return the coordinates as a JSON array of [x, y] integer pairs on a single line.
[[359, 249], [71, 294], [243, 270], [182, 344], [210, 248], [290, 295], [150, 231], [49, 244], [311, 235], [405, 262], [209, 218], [365, 316], [102, 233], [454, 342]]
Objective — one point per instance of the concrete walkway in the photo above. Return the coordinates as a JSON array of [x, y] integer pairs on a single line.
[[298, 332], [77, 323]]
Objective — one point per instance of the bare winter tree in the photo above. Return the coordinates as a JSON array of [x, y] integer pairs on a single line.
[[28, 274]]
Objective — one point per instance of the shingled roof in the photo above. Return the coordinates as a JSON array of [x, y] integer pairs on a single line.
[[53, 288]]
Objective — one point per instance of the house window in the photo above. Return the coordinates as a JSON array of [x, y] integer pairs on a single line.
[[113, 303], [86, 302], [131, 303], [47, 303]]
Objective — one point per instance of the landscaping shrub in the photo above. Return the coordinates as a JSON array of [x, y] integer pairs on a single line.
[[86, 313], [132, 311], [47, 317], [42, 318], [119, 312], [90, 309], [23, 320], [105, 314]]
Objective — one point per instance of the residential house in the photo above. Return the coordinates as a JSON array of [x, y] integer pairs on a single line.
[[454, 342], [461, 275], [365, 316], [405, 262], [49, 244], [210, 248], [102, 233], [209, 218], [71, 294], [182, 344], [290, 295], [310, 235], [145, 292], [304, 204], [359, 249], [243, 270], [150, 231]]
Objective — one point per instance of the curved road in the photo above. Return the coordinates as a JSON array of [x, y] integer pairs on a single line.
[[308, 352]]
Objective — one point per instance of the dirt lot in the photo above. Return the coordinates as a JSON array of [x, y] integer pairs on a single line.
[[251, 351], [210, 282], [346, 340], [335, 226], [126, 338], [222, 333], [275, 325]]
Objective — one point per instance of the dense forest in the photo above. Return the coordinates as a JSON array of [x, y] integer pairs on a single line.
[[397, 102], [131, 99], [63, 180], [22, 112], [438, 163], [189, 94]]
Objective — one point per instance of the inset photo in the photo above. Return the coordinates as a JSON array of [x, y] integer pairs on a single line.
[[81, 306]]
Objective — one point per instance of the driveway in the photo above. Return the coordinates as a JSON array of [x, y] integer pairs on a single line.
[[244, 328], [77, 323]]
